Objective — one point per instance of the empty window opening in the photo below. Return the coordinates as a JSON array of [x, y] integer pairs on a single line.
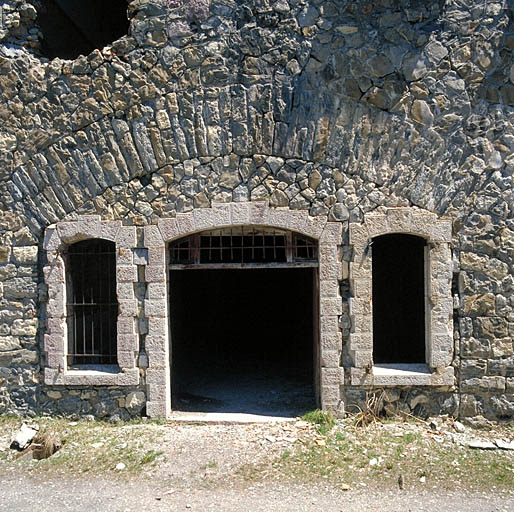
[[243, 245], [76, 27], [398, 299], [92, 305], [243, 340]]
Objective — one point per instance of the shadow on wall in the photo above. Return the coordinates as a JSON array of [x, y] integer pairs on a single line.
[[73, 27]]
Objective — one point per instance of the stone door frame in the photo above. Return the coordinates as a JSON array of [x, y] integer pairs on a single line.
[[221, 215]]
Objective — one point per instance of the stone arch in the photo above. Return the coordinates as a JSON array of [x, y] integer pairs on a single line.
[[329, 237]]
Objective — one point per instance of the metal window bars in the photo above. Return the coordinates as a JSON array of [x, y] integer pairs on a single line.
[[92, 306], [243, 246]]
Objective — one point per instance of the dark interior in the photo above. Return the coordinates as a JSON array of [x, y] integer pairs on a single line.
[[242, 340], [77, 27], [398, 299]]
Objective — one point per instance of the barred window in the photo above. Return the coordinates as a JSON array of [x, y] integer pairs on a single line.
[[92, 306]]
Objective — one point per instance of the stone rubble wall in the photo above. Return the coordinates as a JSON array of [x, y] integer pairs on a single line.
[[336, 108]]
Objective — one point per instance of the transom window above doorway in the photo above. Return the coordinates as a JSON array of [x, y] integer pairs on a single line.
[[244, 245]]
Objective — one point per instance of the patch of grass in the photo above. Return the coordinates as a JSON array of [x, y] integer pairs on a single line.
[[150, 456], [377, 457], [324, 420]]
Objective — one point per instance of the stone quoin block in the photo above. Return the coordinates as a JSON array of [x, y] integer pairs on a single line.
[[156, 255], [126, 237], [128, 342], [153, 237]]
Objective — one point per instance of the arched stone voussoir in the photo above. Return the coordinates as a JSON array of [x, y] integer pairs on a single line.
[[222, 215]]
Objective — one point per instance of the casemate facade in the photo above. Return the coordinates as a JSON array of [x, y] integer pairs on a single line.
[[260, 207]]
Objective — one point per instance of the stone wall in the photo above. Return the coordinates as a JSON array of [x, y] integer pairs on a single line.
[[334, 108]]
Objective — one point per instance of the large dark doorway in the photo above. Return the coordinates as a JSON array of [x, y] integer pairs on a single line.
[[398, 299], [243, 340]]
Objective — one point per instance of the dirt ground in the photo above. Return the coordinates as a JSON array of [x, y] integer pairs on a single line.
[[288, 466], [46, 494]]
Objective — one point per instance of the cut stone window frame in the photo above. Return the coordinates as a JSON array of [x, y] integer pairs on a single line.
[[220, 215], [57, 238], [438, 299]]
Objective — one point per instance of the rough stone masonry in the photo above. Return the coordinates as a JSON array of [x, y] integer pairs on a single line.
[[342, 120]]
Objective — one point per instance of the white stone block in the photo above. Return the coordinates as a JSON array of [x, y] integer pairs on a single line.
[[156, 357], [128, 342], [168, 228], [153, 237], [125, 291], [360, 307], [329, 359], [332, 234], [156, 255], [157, 377], [361, 287], [128, 377], [330, 342], [56, 307], [56, 326], [331, 306], [156, 410], [329, 395], [157, 326], [54, 377], [156, 308], [157, 291], [259, 213], [329, 324], [54, 273], [124, 256], [329, 288], [330, 376], [109, 230], [330, 270], [158, 344], [361, 341], [185, 224], [155, 273], [126, 325], [359, 234], [54, 343], [126, 273], [55, 359], [126, 359], [441, 231], [240, 213], [126, 237], [329, 254], [127, 307], [362, 358], [51, 240]]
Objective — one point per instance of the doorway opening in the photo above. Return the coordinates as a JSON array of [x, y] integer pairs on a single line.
[[398, 270], [244, 327]]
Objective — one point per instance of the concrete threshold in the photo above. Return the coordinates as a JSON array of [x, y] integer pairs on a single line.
[[227, 418]]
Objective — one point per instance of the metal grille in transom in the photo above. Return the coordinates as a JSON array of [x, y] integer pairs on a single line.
[[244, 246]]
